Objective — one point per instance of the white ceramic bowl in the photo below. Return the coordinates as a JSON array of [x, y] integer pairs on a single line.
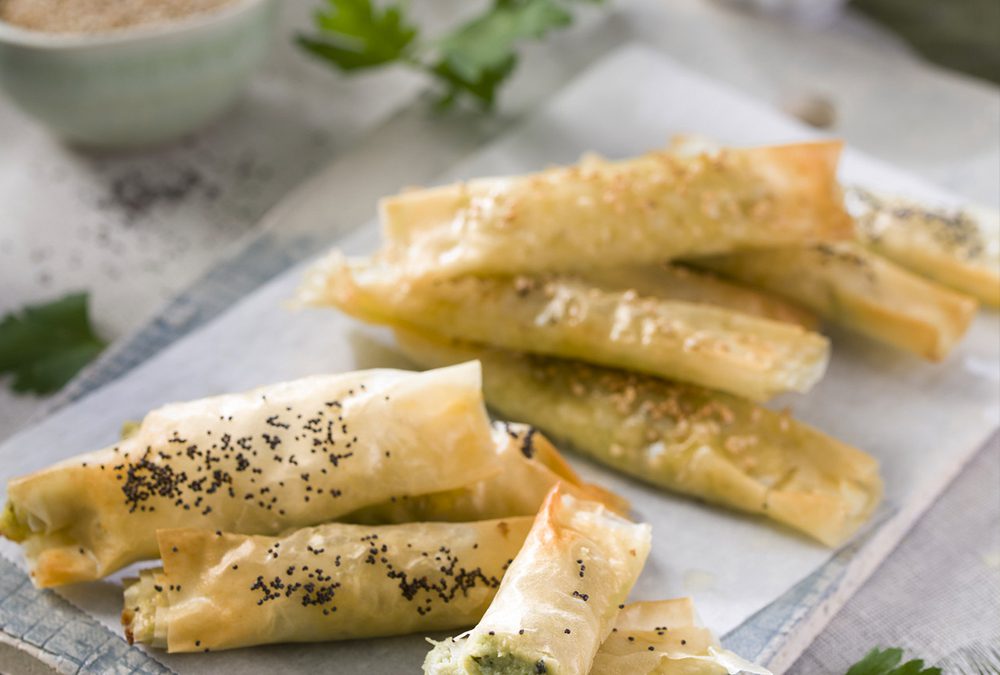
[[136, 86]]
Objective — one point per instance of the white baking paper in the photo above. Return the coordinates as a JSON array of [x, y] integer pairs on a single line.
[[920, 420]]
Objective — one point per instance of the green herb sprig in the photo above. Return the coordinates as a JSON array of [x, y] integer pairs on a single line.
[[472, 60], [887, 662], [44, 346]]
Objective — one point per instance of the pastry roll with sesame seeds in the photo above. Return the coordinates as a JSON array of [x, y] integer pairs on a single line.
[[705, 444], [860, 290], [331, 582], [282, 456], [528, 467], [569, 317], [649, 209], [959, 248], [663, 637], [559, 598], [675, 282]]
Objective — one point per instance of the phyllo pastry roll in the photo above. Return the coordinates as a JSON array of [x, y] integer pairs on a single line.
[[559, 598], [604, 214], [860, 290], [959, 248], [663, 637], [675, 282], [529, 466], [567, 316], [283, 456], [709, 445], [330, 582]]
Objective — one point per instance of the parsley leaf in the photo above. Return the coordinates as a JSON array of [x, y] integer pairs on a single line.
[[46, 345], [472, 60], [357, 35], [478, 56], [886, 662], [488, 41], [483, 86]]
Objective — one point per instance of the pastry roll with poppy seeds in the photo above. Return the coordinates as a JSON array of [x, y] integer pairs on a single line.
[[282, 456], [649, 209], [662, 637], [570, 317], [330, 582], [559, 598], [709, 445], [528, 467]]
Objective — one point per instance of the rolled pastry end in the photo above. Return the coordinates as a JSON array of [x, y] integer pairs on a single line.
[[11, 526], [649, 638], [497, 655], [558, 599], [144, 599], [834, 517], [664, 636], [54, 558]]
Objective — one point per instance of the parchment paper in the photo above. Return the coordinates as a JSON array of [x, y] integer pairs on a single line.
[[920, 420]]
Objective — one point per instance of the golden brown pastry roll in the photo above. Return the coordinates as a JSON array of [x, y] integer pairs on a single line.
[[528, 467], [959, 248], [604, 214], [675, 282], [706, 444], [330, 582], [569, 317], [279, 457], [559, 598], [663, 637], [860, 290]]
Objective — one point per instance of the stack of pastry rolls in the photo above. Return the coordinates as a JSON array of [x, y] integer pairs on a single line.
[[582, 291], [371, 503], [908, 275], [640, 311], [368, 504]]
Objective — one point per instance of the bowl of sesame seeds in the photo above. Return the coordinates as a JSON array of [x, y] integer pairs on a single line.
[[129, 73]]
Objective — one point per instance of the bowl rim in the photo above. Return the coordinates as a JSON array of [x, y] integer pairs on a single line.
[[27, 37]]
